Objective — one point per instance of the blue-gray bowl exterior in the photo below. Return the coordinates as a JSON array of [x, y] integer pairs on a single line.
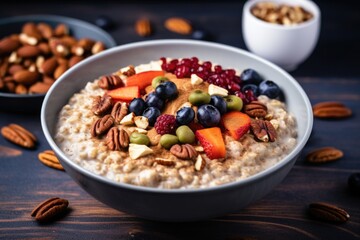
[[165, 204], [78, 28]]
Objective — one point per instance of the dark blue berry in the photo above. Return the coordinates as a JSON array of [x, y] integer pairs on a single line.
[[153, 100], [218, 102], [254, 88], [208, 115], [104, 22], [151, 113], [185, 115], [167, 90], [200, 34], [137, 106], [269, 88], [251, 76], [354, 182]]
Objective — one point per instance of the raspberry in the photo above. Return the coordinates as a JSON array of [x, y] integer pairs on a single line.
[[165, 124]]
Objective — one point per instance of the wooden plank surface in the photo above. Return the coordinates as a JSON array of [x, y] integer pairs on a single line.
[[331, 73]]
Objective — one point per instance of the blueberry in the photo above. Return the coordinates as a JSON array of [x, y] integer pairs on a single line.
[[200, 34], [208, 115], [151, 113], [104, 22], [269, 88], [254, 88], [219, 103], [137, 106], [185, 115], [354, 182], [167, 90], [152, 100], [251, 76]]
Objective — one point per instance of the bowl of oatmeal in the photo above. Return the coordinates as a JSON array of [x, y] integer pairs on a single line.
[[176, 130], [284, 32]]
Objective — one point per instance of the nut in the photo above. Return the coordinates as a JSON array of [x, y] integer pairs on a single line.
[[185, 151], [328, 212], [49, 66], [49, 209], [19, 135], [101, 125], [141, 122], [128, 71], [102, 105], [49, 158], [195, 79], [164, 162], [60, 70], [255, 109], [119, 111], [110, 82], [200, 163], [216, 90], [136, 150], [323, 155], [117, 139], [98, 47], [331, 110], [28, 51], [128, 119], [45, 30], [178, 25], [8, 45], [263, 130], [143, 27]]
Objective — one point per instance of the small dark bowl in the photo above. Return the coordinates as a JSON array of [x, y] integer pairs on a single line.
[[31, 103]]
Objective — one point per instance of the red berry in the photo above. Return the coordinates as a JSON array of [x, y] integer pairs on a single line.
[[165, 124]]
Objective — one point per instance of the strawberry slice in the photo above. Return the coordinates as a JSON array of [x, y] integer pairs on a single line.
[[124, 93], [212, 141], [236, 123], [143, 79]]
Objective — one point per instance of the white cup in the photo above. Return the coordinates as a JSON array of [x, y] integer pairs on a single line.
[[286, 46]]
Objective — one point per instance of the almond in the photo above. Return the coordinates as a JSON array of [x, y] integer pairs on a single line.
[[74, 60], [31, 30], [39, 87], [21, 89], [8, 45], [45, 30], [178, 25], [98, 47], [28, 51], [60, 70], [86, 44], [61, 30], [143, 27], [44, 48], [4, 66], [49, 66], [26, 77]]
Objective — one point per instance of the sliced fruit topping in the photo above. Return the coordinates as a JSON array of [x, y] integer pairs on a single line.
[[212, 141], [124, 93], [143, 79], [236, 123]]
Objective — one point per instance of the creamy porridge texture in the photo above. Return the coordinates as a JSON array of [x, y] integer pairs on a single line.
[[191, 142]]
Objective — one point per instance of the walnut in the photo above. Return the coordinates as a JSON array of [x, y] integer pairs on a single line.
[[110, 82], [117, 139], [101, 125], [263, 130], [101, 105], [119, 111], [185, 151], [255, 109]]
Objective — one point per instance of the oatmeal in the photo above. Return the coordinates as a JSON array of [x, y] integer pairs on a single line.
[[165, 126]]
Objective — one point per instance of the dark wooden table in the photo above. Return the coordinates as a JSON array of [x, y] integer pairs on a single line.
[[331, 73]]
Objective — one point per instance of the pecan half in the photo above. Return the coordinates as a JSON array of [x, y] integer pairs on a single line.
[[130, 71], [328, 212], [323, 155], [119, 111], [49, 209], [263, 130], [19, 135], [102, 105], [185, 151], [117, 139], [101, 125], [49, 159], [255, 109], [143, 27], [331, 109], [110, 82]]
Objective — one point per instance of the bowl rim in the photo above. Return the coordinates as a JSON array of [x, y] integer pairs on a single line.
[[227, 186], [56, 18], [315, 11]]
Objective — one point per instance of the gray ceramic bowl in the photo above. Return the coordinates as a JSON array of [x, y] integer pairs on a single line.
[[175, 205], [79, 29]]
